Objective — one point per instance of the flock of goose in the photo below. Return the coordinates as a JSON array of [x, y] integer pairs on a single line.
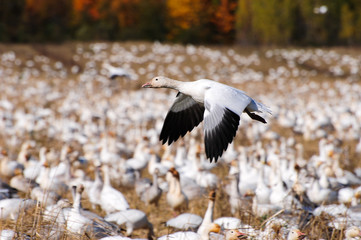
[[80, 155]]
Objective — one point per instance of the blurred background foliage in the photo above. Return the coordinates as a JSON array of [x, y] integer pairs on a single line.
[[269, 22]]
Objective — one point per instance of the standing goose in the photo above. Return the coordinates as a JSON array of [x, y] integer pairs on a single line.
[[153, 193], [175, 196], [219, 105], [111, 200]]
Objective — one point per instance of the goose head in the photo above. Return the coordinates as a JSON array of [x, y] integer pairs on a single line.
[[174, 172], [157, 82], [353, 232], [214, 227], [296, 234], [234, 234]]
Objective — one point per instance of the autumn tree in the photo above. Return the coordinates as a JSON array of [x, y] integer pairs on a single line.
[[11, 20], [223, 19], [46, 18], [188, 20]]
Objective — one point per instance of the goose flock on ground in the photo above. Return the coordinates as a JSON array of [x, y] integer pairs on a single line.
[[80, 155]]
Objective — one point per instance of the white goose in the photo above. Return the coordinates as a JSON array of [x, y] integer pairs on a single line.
[[115, 72], [133, 219], [175, 196], [94, 191], [13, 207], [353, 232], [295, 234], [219, 105], [207, 222], [8, 168], [185, 221], [153, 193], [111, 200]]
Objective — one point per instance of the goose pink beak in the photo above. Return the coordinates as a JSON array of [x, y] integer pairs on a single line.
[[241, 235], [301, 235], [147, 85]]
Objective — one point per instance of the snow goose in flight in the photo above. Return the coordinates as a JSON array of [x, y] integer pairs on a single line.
[[115, 72], [219, 105]]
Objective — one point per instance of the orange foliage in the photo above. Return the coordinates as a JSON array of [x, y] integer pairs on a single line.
[[125, 11], [185, 13], [87, 6], [224, 17], [37, 7]]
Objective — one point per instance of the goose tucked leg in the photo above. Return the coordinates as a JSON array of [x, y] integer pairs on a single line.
[[254, 116]]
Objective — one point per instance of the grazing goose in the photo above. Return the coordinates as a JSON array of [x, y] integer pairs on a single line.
[[133, 219], [55, 214], [228, 222], [20, 183], [219, 105], [12, 208], [185, 221]]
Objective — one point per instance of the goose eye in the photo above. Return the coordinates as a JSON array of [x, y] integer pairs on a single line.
[[156, 79]]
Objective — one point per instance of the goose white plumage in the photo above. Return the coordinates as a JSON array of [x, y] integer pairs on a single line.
[[219, 105], [207, 222], [228, 222], [133, 219], [7, 234], [115, 72], [175, 196], [11, 208], [188, 235], [295, 234], [94, 191], [153, 193], [353, 232], [111, 200], [185, 221]]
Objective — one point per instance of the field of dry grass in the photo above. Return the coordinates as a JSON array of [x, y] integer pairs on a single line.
[[264, 72]]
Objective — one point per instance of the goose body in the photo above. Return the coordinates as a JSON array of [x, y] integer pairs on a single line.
[[353, 232], [218, 104], [11, 208], [115, 72], [133, 219], [188, 235], [7, 234], [111, 200], [175, 196], [185, 221], [153, 193]]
